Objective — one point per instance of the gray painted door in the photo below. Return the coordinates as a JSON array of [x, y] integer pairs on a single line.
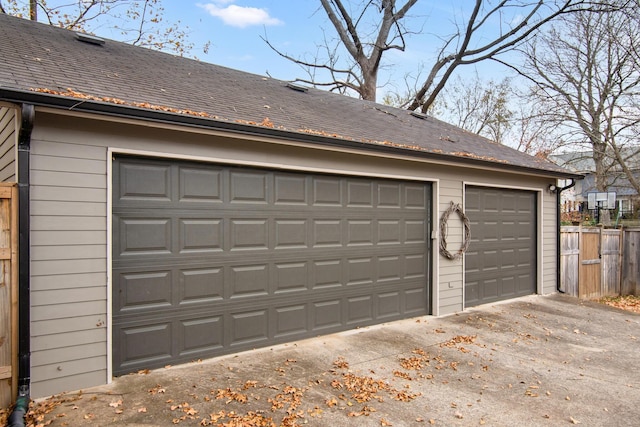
[[211, 259], [501, 260]]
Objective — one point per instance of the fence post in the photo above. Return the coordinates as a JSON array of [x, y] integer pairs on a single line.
[[8, 294]]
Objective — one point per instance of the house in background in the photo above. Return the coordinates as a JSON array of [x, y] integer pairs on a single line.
[[178, 210], [585, 198]]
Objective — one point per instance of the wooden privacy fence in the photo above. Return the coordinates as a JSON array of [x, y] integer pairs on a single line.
[[597, 262], [8, 293]]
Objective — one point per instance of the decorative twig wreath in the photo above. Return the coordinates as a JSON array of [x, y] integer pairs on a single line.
[[454, 207]]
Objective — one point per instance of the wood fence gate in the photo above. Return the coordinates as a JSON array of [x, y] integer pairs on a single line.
[[596, 262], [8, 293]]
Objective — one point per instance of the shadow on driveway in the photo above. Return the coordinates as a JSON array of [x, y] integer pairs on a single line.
[[539, 361]]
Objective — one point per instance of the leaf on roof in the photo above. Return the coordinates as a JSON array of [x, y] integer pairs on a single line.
[[476, 156], [70, 93]]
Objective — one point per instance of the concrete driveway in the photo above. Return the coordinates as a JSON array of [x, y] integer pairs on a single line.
[[535, 361]]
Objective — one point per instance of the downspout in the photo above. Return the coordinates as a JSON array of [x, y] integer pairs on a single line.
[[558, 220], [17, 417]]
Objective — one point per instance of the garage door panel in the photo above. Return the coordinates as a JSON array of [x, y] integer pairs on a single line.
[[291, 233], [146, 290], [145, 236], [291, 277], [291, 190], [201, 285], [389, 195], [327, 192], [389, 304], [145, 180], [359, 232], [415, 266], [248, 234], [200, 235], [250, 327], [360, 271], [359, 309], [200, 185], [327, 232], [327, 314], [415, 197], [501, 260], [390, 268], [248, 187], [359, 194], [413, 297], [389, 232], [250, 257], [145, 344], [249, 281], [200, 335], [291, 320], [326, 273]]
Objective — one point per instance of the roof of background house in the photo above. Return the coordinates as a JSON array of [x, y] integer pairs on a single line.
[[582, 161], [619, 185], [578, 161], [45, 65]]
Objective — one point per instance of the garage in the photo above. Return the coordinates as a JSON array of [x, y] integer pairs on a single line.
[[501, 261], [212, 259]]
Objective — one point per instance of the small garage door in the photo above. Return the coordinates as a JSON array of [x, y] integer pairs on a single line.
[[501, 260], [211, 259]]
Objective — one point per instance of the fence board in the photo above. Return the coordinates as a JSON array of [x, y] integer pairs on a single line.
[[570, 259], [590, 264], [8, 294], [610, 254], [631, 262]]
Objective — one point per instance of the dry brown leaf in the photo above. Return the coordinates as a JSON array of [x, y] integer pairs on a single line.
[[331, 402]]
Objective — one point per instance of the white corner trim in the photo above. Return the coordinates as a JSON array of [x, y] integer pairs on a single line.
[[109, 266]]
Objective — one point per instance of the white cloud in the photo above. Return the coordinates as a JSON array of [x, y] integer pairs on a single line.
[[239, 16]]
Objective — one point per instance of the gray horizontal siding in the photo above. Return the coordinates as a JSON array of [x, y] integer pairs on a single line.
[[451, 273], [8, 141], [64, 325], [57, 355], [68, 265], [61, 382], [549, 243], [48, 253], [78, 280]]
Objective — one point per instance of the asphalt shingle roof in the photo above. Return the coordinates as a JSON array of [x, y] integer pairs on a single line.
[[38, 58]]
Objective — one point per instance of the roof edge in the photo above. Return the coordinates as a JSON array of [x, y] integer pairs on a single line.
[[167, 117]]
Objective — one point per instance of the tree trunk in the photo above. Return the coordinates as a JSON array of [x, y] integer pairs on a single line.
[[33, 10]]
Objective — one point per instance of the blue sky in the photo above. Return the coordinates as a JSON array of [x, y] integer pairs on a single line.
[[234, 28], [299, 28]]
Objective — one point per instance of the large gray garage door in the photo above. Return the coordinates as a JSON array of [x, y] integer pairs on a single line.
[[214, 259], [501, 260]]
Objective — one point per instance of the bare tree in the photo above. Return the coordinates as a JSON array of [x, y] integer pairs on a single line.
[[364, 45], [587, 74], [139, 22], [372, 27], [481, 107]]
